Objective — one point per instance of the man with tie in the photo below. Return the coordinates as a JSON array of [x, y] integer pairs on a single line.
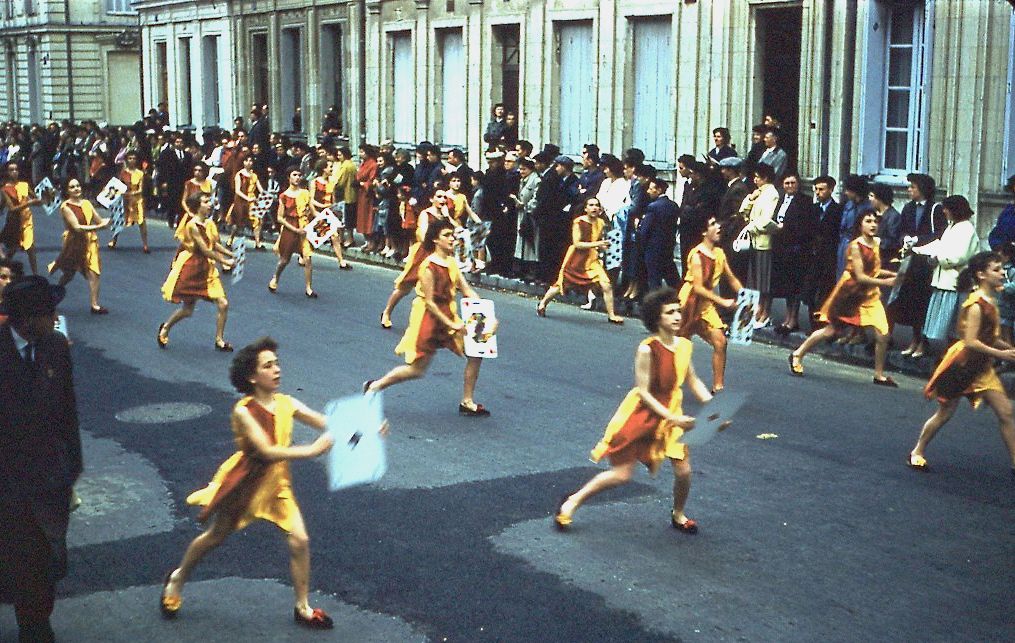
[[40, 453], [773, 154], [791, 246], [174, 166], [826, 216]]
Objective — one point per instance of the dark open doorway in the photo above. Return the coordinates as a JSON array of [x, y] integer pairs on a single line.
[[779, 34], [506, 65]]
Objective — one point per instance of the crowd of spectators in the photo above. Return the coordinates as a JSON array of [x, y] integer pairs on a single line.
[[791, 245]]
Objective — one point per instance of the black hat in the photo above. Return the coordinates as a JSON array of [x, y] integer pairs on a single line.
[[551, 150], [31, 296], [543, 157]]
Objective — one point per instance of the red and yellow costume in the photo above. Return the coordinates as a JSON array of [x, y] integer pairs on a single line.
[[296, 211], [965, 372], [458, 203], [194, 276], [582, 267], [851, 302], [635, 432], [80, 251], [190, 187], [133, 211], [410, 273], [239, 212], [19, 231], [426, 334], [697, 311], [246, 488]]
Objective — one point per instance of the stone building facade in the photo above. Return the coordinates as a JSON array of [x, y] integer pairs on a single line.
[[879, 87], [77, 59]]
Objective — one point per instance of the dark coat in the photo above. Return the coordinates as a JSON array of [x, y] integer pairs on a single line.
[[791, 247], [657, 237], [41, 459], [910, 308], [821, 277], [259, 133]]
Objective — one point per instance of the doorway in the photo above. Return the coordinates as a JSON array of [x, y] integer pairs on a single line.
[[779, 34], [506, 65]]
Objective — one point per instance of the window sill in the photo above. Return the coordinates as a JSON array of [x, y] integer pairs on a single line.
[[893, 180]]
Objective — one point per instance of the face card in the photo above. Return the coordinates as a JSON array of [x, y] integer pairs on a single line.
[[239, 250], [742, 328], [479, 317], [322, 228], [114, 189]]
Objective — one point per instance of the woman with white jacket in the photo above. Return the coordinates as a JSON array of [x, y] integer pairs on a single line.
[[759, 209], [952, 251]]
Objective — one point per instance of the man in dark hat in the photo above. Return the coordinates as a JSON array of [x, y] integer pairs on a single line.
[[40, 453]]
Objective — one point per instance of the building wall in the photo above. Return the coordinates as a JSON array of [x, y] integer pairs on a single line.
[[94, 35], [713, 75]]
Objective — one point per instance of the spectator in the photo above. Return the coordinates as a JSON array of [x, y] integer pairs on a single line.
[[345, 192], [510, 136], [365, 176], [528, 232], [496, 208], [496, 128], [175, 169], [633, 259], [456, 165], [421, 176], [1004, 229], [889, 223], [921, 218], [722, 149], [684, 187], [705, 196], [759, 208], [757, 148], [958, 243], [657, 236], [728, 216], [774, 155], [523, 149], [547, 216], [1006, 299], [791, 244], [827, 214], [592, 176], [614, 191], [258, 128]]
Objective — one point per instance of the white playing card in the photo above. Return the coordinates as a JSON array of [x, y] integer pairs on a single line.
[[479, 317]]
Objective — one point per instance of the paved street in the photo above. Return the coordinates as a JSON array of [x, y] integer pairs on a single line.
[[819, 533]]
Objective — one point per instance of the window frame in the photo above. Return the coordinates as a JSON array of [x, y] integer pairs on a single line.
[[113, 11], [1008, 159]]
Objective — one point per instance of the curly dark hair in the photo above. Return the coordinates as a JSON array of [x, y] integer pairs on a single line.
[[245, 363], [652, 306]]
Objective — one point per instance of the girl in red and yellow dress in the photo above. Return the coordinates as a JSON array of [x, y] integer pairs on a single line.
[[648, 424], [19, 230], [322, 197], [967, 369], [582, 269], [194, 275], [133, 199], [246, 188], [406, 280], [200, 183], [255, 482], [855, 302], [80, 252], [706, 267], [293, 216], [434, 321]]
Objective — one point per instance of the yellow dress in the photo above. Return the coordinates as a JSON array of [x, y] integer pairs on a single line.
[[582, 267], [24, 234], [134, 214], [696, 311], [80, 251], [189, 188], [966, 373], [635, 432], [263, 490], [296, 211], [410, 273], [194, 276], [850, 302], [425, 333]]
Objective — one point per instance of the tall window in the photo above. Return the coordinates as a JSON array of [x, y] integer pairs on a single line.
[[896, 87], [30, 8], [453, 93], [653, 126], [332, 76], [576, 99], [185, 110], [259, 64], [210, 79], [402, 87], [161, 72], [119, 6], [8, 9], [291, 65]]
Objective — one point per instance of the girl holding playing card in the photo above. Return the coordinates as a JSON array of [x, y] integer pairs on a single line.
[[80, 251], [322, 197], [582, 268], [255, 483], [194, 275], [133, 199], [650, 421], [434, 321], [293, 217], [19, 230], [706, 267], [246, 188]]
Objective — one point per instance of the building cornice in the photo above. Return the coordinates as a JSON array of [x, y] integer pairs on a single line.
[[60, 28]]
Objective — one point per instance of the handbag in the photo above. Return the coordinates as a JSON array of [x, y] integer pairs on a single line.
[[743, 241]]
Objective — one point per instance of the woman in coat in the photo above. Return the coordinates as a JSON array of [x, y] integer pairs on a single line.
[[365, 176]]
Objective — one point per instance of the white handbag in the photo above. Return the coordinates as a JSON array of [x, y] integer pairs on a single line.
[[743, 241]]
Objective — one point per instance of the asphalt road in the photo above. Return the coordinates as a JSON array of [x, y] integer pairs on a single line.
[[818, 533]]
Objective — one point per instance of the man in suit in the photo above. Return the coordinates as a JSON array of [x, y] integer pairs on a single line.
[[791, 244], [657, 236], [40, 453], [773, 154], [827, 215], [547, 213], [701, 199], [259, 128], [175, 168]]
